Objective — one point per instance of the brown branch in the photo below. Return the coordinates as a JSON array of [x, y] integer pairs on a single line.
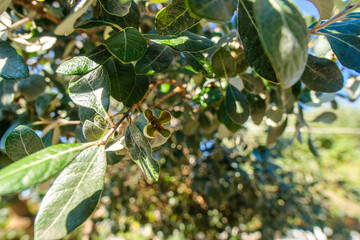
[[38, 8], [178, 89], [155, 85]]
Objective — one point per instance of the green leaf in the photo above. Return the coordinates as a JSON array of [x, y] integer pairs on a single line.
[[67, 26], [37, 167], [12, 66], [44, 102], [322, 75], [253, 84], [122, 79], [73, 196], [224, 118], [91, 91], [283, 35], [199, 63], [116, 7], [21, 142], [93, 131], [275, 133], [127, 45], [217, 10], [324, 7], [223, 64], [236, 105], [346, 48], [132, 19], [348, 26], [80, 65], [140, 151], [157, 59], [96, 22], [174, 19], [7, 93], [326, 117], [312, 147], [250, 38], [32, 87], [86, 113], [138, 92], [184, 42], [257, 109]]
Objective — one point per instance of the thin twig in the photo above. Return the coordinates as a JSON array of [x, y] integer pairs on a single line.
[[178, 89], [114, 129], [39, 9], [333, 19], [58, 121]]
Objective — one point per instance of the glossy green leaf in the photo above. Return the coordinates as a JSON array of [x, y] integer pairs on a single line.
[[250, 38], [127, 45], [32, 87], [223, 64], [96, 22], [174, 19], [78, 9], [224, 118], [140, 151], [91, 90], [93, 131], [236, 105], [80, 65], [7, 93], [122, 79], [12, 66], [73, 196], [322, 75], [43, 103], [217, 10], [132, 19], [348, 26], [138, 92], [184, 42], [283, 35], [86, 113], [346, 48], [116, 7], [324, 7], [21, 142], [199, 63], [157, 59], [37, 167]]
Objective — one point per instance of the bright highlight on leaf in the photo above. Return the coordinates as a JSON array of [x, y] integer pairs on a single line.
[[37, 167], [80, 186]]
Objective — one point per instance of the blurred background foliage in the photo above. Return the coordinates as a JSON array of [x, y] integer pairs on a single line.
[[217, 193], [213, 184]]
